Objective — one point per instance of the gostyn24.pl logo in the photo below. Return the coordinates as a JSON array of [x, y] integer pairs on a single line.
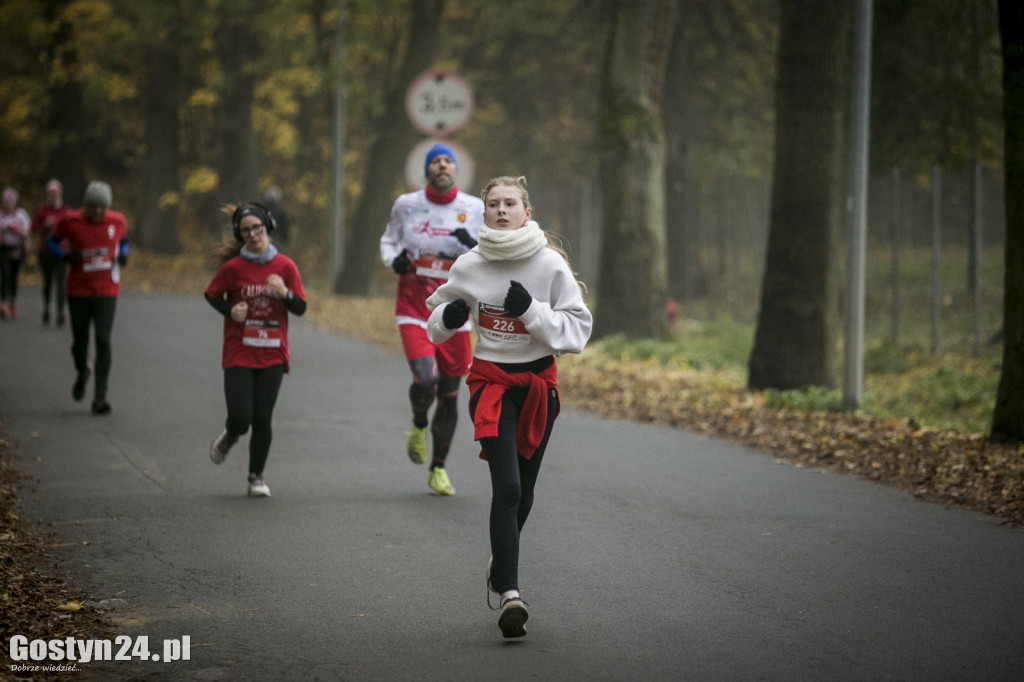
[[71, 650]]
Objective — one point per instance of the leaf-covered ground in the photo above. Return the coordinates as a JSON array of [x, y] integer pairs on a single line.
[[36, 598], [945, 466]]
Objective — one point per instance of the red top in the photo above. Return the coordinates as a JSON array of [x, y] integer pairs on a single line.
[[97, 272], [262, 340], [491, 381], [43, 222]]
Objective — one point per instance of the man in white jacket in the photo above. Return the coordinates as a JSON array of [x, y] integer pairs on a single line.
[[429, 229]]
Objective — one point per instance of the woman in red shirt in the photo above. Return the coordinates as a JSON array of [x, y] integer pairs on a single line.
[[255, 288], [54, 269]]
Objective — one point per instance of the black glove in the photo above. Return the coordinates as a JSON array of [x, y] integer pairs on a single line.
[[122, 260], [401, 264], [73, 257], [455, 314], [517, 300], [462, 234]]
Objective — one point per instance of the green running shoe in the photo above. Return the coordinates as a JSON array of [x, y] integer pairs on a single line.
[[416, 447], [440, 483]]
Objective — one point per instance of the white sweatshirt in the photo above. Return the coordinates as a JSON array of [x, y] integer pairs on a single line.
[[557, 321], [424, 228]]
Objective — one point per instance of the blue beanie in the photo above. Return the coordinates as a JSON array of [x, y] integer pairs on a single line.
[[439, 150]]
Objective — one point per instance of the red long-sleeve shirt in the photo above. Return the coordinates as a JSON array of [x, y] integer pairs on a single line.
[[96, 273], [262, 340]]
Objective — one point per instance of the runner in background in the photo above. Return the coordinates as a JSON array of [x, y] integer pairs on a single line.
[[255, 288], [94, 240], [15, 225], [427, 231], [54, 269]]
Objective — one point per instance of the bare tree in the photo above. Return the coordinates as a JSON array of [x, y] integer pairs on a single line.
[[67, 118], [158, 228], [239, 45], [1008, 417], [387, 156], [682, 172], [632, 288], [793, 344]]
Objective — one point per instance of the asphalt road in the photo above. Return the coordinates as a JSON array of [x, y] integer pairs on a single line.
[[651, 554]]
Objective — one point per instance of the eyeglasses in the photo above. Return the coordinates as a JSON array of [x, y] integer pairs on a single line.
[[254, 229]]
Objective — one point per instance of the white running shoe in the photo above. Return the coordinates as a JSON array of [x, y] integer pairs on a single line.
[[490, 585], [512, 620], [490, 568], [220, 446], [257, 488]]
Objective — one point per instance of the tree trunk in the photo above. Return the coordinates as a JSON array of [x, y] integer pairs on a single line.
[[682, 175], [388, 153], [158, 229], [312, 157], [1008, 417], [237, 162], [68, 118], [793, 344], [632, 288]]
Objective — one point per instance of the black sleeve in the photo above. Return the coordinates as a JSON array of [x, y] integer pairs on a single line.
[[294, 304], [220, 304]]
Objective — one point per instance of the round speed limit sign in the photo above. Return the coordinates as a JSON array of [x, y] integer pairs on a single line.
[[439, 102]]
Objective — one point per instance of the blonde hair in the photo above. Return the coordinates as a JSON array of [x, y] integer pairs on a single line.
[[508, 181], [519, 183]]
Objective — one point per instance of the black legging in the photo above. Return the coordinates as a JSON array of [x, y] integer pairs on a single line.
[[512, 482], [54, 271], [251, 395], [426, 385], [10, 264], [97, 312]]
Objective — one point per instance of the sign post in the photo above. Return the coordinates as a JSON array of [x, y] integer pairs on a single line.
[[439, 103]]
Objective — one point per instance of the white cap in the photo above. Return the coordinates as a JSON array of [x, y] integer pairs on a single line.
[[98, 193]]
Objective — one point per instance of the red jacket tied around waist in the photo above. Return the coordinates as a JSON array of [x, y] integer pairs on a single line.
[[490, 382]]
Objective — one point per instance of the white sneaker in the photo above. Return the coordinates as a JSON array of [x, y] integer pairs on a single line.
[[257, 488], [220, 446], [490, 568], [490, 586], [512, 620]]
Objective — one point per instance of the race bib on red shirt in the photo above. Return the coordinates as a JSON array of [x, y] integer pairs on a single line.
[[95, 260], [262, 333]]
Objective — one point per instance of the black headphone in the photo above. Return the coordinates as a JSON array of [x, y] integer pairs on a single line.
[[252, 208]]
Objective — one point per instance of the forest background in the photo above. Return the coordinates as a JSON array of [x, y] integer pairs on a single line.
[[184, 107]]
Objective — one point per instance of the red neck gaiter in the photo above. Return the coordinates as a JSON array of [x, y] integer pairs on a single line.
[[446, 198]]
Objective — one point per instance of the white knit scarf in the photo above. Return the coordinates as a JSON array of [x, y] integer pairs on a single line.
[[511, 244]]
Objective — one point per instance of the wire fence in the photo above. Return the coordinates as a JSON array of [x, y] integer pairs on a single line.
[[935, 252]]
